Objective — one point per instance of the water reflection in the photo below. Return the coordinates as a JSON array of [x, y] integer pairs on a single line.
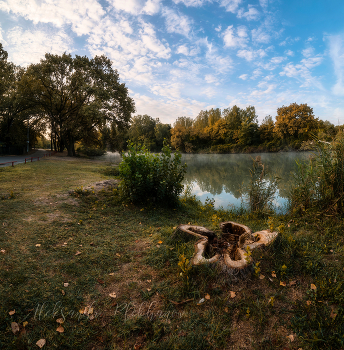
[[224, 177]]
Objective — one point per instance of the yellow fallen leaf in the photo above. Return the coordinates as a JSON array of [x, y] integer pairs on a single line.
[[149, 281], [3, 251], [261, 277], [232, 294], [118, 254], [12, 312], [292, 283], [38, 245], [15, 327], [308, 302], [226, 309], [291, 337], [112, 274], [63, 292], [313, 286], [60, 320], [273, 274], [41, 343], [113, 295], [159, 242], [25, 323], [158, 246], [149, 289], [282, 284], [65, 284], [60, 329], [90, 310], [174, 227], [207, 296], [77, 253]]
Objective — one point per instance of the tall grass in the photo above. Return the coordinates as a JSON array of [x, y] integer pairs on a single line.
[[319, 185]]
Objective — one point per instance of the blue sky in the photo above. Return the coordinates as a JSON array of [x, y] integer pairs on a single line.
[[180, 56]]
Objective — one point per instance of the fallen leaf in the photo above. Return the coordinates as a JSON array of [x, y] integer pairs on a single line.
[[90, 310], [15, 327], [207, 296], [41, 343], [273, 274], [118, 254], [63, 292], [149, 289], [113, 295], [91, 317], [232, 294], [149, 281], [158, 246], [261, 277], [291, 337], [308, 302], [112, 274], [150, 235], [174, 227], [282, 284], [313, 286], [160, 242], [226, 309], [38, 245], [3, 251], [77, 253], [91, 243], [100, 281], [25, 323], [12, 312], [60, 320], [201, 301], [270, 279], [65, 284], [60, 329], [333, 314], [292, 283]]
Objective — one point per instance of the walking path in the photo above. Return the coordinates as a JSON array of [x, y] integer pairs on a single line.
[[21, 159]]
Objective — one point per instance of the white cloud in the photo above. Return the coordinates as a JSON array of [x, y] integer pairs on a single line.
[[171, 91], [195, 3], [209, 92], [251, 15], [29, 46], [136, 7], [243, 76], [230, 5], [260, 36], [218, 28], [302, 71], [308, 52], [249, 55], [270, 88], [235, 38], [176, 22], [211, 79], [264, 4], [167, 110], [289, 53], [337, 55], [81, 15]]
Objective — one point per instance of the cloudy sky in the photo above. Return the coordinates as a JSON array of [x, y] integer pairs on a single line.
[[180, 56]]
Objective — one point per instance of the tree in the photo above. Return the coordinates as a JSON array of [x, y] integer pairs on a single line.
[[295, 122], [180, 134], [77, 96]]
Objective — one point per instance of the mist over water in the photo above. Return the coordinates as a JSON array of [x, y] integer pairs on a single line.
[[224, 177]]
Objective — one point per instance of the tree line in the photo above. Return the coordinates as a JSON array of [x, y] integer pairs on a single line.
[[78, 100], [81, 101]]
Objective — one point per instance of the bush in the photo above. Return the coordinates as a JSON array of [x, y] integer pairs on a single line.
[[91, 151], [261, 191], [319, 184], [148, 177]]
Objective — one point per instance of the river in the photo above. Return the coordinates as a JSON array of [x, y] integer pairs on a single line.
[[224, 177]]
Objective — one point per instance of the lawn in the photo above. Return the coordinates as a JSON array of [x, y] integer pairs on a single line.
[[81, 268]]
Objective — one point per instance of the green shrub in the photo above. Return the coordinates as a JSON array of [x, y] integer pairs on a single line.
[[91, 151], [261, 191], [319, 184], [148, 177]]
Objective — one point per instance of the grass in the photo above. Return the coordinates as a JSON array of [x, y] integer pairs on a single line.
[[100, 245]]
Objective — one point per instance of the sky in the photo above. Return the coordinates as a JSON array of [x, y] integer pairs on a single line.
[[178, 57]]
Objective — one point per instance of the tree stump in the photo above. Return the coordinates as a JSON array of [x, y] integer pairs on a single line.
[[231, 252]]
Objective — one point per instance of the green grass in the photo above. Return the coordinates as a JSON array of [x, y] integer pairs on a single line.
[[120, 254]]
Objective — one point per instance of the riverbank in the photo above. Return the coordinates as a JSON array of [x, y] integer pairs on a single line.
[[87, 270]]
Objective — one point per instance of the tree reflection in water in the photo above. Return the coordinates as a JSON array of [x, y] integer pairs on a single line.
[[225, 176]]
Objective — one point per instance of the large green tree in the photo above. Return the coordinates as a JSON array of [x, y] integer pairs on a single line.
[[77, 96]]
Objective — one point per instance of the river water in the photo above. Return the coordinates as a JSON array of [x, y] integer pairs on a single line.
[[224, 177]]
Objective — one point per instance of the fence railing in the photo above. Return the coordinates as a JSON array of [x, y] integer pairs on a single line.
[[31, 159]]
